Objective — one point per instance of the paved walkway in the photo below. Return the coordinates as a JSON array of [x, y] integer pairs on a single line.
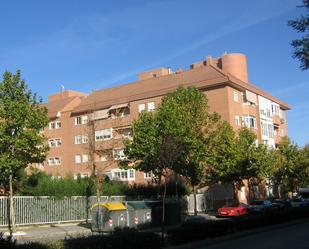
[[51, 232]]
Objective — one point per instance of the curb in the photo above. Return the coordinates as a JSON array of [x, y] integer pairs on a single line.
[[207, 242]]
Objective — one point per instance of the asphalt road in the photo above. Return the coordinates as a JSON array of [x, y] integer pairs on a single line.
[[291, 237]]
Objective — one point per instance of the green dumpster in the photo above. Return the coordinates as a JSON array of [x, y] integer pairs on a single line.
[[107, 216], [139, 213]]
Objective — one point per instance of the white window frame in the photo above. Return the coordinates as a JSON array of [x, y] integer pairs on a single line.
[[78, 159], [151, 106], [119, 154], [123, 175], [105, 134], [84, 139], [85, 158], [235, 96], [57, 160], [78, 139], [237, 120], [51, 125], [78, 120], [141, 108], [84, 119], [58, 124], [148, 175]]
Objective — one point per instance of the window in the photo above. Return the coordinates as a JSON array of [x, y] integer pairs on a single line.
[[141, 107], [54, 161], [264, 129], [51, 125], [57, 161], [237, 120], [270, 130], [148, 175], [58, 124], [51, 161], [131, 174], [103, 134], [54, 142], [78, 159], [126, 133], [85, 158], [58, 142], [84, 139], [78, 139], [106, 156], [151, 106], [84, 119], [51, 143], [250, 121], [78, 120], [119, 154], [235, 96], [81, 175], [123, 175]]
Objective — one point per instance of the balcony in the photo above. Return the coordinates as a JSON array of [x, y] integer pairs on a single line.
[[276, 119]]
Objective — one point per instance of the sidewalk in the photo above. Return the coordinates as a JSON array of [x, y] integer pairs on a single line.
[[48, 232]]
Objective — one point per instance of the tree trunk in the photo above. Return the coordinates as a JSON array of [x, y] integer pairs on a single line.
[[176, 185], [98, 186], [163, 203], [163, 212], [12, 210], [194, 201]]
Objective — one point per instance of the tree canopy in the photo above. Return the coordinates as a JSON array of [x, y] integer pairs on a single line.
[[22, 117], [301, 46]]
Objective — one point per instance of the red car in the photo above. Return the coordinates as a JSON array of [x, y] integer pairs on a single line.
[[233, 209]]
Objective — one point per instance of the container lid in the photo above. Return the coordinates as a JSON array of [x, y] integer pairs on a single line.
[[138, 205], [111, 206]]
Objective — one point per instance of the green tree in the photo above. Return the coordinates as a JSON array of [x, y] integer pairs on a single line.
[[21, 120], [301, 46], [174, 138], [287, 165], [236, 157], [184, 116]]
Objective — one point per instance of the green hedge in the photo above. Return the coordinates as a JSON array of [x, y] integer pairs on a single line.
[[41, 184]]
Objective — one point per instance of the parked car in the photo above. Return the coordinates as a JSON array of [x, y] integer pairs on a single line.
[[299, 202], [233, 210], [259, 206], [280, 204]]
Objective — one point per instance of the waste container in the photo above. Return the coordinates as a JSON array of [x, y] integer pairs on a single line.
[[139, 213], [107, 216]]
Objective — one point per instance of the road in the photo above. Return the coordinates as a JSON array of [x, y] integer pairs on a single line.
[[291, 237]]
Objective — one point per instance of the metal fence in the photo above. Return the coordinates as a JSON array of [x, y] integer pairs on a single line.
[[45, 209]]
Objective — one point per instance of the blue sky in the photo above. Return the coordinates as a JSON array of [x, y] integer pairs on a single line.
[[88, 45]]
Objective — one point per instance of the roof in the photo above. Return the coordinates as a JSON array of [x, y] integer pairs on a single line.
[[110, 206], [147, 88], [60, 105], [201, 77]]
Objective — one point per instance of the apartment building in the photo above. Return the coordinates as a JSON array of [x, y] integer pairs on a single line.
[[92, 127]]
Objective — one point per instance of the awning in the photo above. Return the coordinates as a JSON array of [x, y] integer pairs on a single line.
[[114, 107], [101, 114], [251, 97]]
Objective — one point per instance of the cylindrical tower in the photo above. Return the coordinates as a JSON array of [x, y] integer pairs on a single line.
[[236, 65]]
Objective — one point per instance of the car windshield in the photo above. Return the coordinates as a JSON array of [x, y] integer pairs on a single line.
[[257, 202]]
